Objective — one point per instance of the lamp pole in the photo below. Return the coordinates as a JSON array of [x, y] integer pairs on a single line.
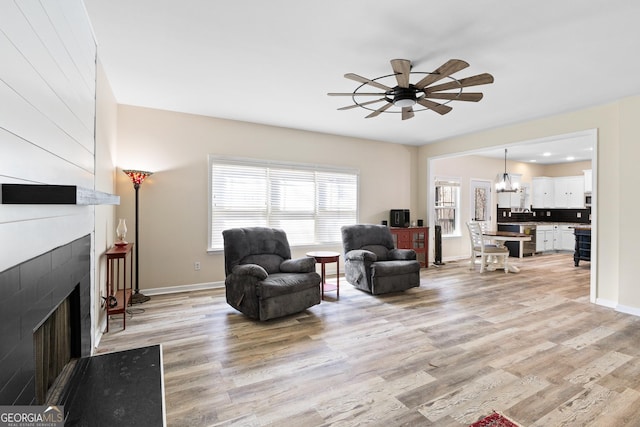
[[137, 177]]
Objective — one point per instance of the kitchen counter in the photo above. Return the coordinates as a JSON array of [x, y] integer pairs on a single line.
[[582, 227], [546, 236], [529, 223]]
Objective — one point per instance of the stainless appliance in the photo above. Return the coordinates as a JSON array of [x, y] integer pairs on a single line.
[[520, 249]]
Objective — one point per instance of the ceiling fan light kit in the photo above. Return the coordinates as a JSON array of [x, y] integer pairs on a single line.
[[406, 95], [405, 98]]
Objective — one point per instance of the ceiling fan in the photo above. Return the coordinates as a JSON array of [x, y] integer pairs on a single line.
[[406, 95]]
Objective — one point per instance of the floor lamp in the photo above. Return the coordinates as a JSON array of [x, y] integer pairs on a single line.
[[136, 178]]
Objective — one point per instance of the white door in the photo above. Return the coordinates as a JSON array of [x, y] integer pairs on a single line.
[[480, 200]]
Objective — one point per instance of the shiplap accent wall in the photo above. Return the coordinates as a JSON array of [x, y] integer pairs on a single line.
[[47, 119]]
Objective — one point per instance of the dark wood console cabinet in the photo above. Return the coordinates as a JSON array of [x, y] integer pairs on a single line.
[[416, 238]]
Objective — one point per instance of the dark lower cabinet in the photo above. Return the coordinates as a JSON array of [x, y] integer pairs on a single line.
[[583, 245]]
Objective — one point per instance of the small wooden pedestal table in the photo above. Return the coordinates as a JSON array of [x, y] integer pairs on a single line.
[[117, 256], [324, 257]]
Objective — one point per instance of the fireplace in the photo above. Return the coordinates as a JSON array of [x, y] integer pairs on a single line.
[[55, 344], [51, 291]]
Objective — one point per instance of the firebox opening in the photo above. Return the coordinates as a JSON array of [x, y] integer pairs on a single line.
[[57, 343]]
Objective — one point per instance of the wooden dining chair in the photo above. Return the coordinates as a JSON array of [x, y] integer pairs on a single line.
[[479, 248]]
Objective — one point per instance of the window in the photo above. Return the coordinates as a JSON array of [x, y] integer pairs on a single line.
[[310, 203], [447, 205]]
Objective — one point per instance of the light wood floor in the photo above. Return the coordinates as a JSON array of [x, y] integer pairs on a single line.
[[529, 345]]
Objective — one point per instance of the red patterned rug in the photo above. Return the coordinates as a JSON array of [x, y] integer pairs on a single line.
[[494, 420]]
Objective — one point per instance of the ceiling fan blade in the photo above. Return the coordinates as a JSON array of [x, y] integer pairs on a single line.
[[407, 113], [446, 69], [438, 108], [361, 79], [469, 96], [360, 104], [379, 110], [355, 93], [402, 68], [480, 79]]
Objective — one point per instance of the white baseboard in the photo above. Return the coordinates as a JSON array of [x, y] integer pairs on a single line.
[[635, 311], [98, 334], [454, 259], [183, 288], [606, 303], [628, 310]]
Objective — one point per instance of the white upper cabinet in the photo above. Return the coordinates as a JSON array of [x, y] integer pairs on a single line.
[[558, 192], [568, 192], [542, 192]]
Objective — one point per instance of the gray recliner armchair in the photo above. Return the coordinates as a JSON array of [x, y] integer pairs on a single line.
[[262, 281], [373, 264]]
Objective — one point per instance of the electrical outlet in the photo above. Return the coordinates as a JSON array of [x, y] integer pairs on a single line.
[[196, 266], [548, 213], [579, 214]]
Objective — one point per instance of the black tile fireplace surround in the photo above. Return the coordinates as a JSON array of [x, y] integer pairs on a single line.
[[29, 292]]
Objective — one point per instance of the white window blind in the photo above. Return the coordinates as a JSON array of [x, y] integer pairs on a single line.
[[310, 203]]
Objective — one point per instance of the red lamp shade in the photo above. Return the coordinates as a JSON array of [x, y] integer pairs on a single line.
[[137, 176]]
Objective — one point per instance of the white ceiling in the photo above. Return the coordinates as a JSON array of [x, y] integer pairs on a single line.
[[273, 62], [562, 149]]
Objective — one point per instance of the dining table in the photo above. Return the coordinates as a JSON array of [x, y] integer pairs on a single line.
[[499, 237]]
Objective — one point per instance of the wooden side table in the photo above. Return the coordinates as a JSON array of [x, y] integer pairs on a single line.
[[325, 257], [117, 258]]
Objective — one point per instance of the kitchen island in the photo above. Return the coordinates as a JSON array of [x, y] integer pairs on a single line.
[[583, 244]]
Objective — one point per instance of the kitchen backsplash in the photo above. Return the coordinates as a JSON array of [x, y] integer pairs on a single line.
[[579, 216]]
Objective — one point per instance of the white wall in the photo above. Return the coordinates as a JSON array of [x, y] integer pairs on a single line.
[[628, 204], [567, 169], [47, 87], [173, 201], [47, 113], [105, 181]]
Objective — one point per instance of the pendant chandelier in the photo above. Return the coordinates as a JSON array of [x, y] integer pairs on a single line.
[[504, 182]]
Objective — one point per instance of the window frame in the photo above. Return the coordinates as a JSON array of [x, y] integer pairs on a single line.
[[275, 166], [456, 182]]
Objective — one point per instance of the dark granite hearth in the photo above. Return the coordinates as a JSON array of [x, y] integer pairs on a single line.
[[117, 389]]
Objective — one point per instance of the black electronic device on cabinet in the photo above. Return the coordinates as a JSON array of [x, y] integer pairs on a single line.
[[399, 218]]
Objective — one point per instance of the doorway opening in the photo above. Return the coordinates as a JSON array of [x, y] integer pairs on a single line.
[[467, 163]]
